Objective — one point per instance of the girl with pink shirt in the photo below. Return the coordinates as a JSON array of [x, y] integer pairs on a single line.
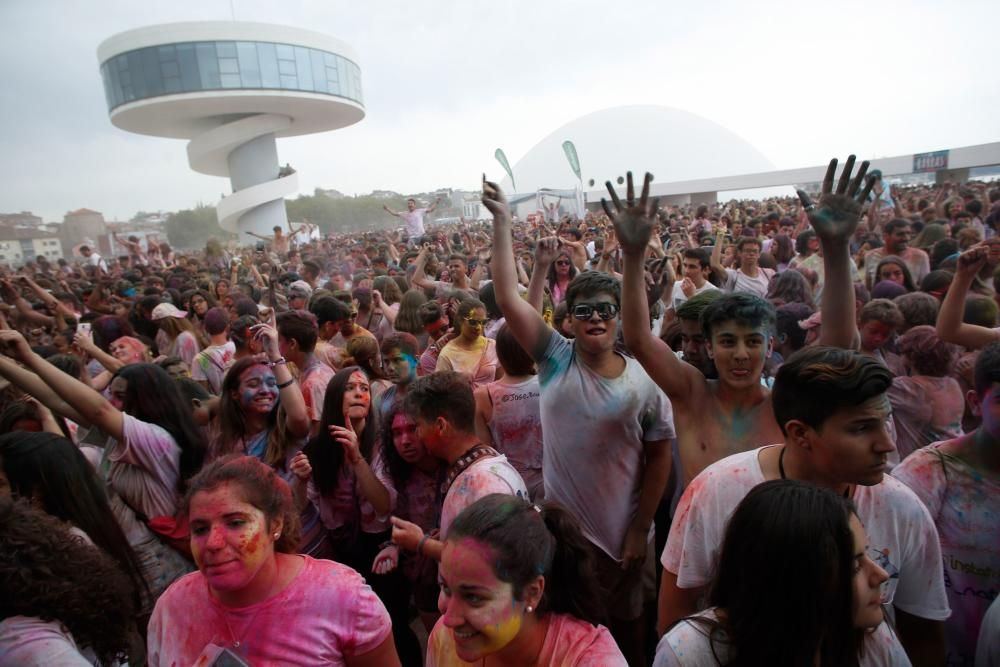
[[517, 588], [253, 601]]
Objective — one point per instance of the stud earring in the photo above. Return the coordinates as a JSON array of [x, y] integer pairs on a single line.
[[530, 609], [277, 535]]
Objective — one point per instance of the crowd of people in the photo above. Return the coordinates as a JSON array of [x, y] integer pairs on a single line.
[[751, 433]]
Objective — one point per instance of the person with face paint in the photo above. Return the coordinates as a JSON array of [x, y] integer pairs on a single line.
[[154, 447], [834, 411], [878, 322], [607, 464], [471, 352], [959, 481], [518, 588], [399, 361], [896, 236], [253, 601], [788, 544]]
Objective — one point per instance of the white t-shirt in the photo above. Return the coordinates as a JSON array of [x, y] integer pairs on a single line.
[[901, 534], [688, 645], [25, 640], [737, 281], [678, 297], [210, 365], [414, 222], [593, 430], [490, 474]]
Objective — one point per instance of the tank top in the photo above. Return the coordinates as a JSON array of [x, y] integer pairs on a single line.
[[516, 425]]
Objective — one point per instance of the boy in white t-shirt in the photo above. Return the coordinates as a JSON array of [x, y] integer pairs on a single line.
[[832, 407]]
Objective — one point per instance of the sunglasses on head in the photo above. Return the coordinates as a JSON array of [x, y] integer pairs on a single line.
[[605, 311], [476, 323]]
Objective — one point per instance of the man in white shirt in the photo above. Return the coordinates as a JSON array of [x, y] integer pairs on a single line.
[[697, 267], [413, 218], [91, 258], [831, 405]]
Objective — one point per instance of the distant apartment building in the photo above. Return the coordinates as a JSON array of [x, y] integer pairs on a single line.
[[19, 246], [85, 225], [22, 219]]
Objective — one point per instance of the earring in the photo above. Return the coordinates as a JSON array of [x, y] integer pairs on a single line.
[[277, 535], [530, 609]]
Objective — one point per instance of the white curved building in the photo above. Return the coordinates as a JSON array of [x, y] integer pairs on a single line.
[[232, 88], [672, 144]]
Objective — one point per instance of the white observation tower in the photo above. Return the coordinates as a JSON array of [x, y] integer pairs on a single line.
[[231, 89]]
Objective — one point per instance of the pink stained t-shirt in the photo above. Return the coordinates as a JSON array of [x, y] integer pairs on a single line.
[[925, 409], [313, 382], [569, 642], [490, 474], [965, 505], [326, 615]]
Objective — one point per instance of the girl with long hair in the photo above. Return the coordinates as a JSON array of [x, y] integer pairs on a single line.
[[254, 600], [408, 319], [560, 275], [363, 351], [471, 352], [54, 474], [795, 552], [62, 602], [789, 287], [177, 337], [262, 414], [895, 270], [341, 476], [518, 588], [154, 447]]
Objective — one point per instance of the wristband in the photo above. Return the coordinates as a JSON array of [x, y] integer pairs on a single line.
[[420, 544], [277, 362], [289, 383]]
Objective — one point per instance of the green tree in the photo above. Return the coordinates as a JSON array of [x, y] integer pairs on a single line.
[[191, 228]]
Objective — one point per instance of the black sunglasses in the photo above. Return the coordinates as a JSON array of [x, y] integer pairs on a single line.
[[605, 311]]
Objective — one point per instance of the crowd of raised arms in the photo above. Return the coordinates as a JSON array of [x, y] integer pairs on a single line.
[[751, 433]]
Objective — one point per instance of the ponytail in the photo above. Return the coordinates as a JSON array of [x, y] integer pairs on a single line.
[[531, 540]]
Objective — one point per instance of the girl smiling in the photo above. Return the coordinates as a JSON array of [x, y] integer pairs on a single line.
[[517, 588]]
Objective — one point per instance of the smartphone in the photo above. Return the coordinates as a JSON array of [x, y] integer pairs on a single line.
[[83, 328]]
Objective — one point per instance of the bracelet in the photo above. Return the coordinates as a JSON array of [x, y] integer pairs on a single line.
[[277, 362], [420, 544], [289, 383]]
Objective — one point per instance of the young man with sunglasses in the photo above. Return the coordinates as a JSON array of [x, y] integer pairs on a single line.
[[606, 428]]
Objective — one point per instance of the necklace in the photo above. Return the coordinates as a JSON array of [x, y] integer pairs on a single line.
[[781, 471], [225, 613]]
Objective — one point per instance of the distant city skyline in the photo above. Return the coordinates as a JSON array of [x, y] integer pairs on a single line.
[[444, 88]]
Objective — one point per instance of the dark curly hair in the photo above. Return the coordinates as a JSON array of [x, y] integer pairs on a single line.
[[47, 573]]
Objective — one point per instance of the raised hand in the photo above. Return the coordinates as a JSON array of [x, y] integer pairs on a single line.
[[972, 261], [348, 439], [634, 223], [495, 201], [14, 344], [546, 250], [837, 215], [267, 336]]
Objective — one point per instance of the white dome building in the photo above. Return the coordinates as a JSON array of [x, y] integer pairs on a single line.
[[672, 144]]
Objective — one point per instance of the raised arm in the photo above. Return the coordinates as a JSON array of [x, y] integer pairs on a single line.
[[835, 220], [389, 210], [950, 326], [716, 257], [433, 206], [634, 224], [91, 405], [546, 251], [420, 278], [31, 384], [524, 321]]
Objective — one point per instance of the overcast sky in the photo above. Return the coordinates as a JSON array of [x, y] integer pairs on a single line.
[[446, 83]]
